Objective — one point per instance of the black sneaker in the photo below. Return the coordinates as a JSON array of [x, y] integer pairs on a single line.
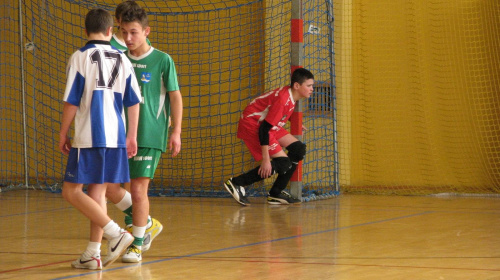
[[238, 192], [283, 198]]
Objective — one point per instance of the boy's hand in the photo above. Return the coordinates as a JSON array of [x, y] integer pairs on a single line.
[[265, 169], [174, 143], [64, 144], [131, 147]]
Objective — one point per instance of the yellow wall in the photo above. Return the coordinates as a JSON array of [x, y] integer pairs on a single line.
[[423, 100]]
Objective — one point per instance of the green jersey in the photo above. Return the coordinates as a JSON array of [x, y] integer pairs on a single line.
[[156, 74], [117, 43], [120, 45]]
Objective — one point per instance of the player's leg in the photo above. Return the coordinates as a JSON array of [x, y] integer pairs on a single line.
[[144, 230], [236, 185], [74, 194], [128, 214], [296, 151], [280, 164], [140, 212], [105, 165], [122, 199], [91, 258], [118, 238], [116, 244]]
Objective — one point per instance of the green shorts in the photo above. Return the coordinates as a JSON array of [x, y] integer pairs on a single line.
[[144, 164]]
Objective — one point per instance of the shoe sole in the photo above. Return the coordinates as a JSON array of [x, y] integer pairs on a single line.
[[131, 260], [110, 261], [278, 202], [89, 268], [234, 194], [85, 267], [282, 202]]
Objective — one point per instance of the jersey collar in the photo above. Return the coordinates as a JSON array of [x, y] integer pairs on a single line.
[[98, 42], [122, 43], [291, 95], [142, 56]]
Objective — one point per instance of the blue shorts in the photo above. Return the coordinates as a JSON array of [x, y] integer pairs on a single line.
[[97, 166]]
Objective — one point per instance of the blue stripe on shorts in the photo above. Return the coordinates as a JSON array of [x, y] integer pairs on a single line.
[[97, 166]]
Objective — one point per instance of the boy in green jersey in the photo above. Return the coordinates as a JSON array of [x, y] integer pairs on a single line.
[[122, 198], [117, 39], [157, 77]]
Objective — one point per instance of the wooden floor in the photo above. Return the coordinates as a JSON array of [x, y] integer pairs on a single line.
[[348, 237]]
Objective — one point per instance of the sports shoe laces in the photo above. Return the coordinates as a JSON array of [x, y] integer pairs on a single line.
[[286, 194], [134, 249]]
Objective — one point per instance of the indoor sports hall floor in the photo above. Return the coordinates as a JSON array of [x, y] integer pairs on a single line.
[[348, 237]]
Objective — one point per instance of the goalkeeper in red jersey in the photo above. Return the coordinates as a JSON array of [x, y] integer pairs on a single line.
[[261, 128]]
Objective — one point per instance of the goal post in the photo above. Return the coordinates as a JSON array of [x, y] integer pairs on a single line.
[[296, 50]]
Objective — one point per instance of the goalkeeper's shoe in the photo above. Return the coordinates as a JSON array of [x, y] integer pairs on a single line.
[[151, 233], [133, 255], [283, 198], [93, 262], [238, 192]]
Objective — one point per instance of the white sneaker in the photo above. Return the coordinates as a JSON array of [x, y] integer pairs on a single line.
[[117, 246], [151, 233], [93, 262], [133, 255]]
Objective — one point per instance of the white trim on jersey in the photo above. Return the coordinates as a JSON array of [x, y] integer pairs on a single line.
[[142, 56], [122, 43], [163, 96]]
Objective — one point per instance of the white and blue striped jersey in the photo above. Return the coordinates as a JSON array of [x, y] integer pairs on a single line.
[[101, 82]]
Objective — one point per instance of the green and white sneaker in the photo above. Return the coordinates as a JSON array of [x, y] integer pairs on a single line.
[[133, 255]]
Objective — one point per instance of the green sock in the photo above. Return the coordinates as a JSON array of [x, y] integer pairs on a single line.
[[138, 241], [128, 215]]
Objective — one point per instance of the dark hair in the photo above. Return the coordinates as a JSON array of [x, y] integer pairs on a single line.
[[98, 21], [137, 14], [125, 6], [300, 75]]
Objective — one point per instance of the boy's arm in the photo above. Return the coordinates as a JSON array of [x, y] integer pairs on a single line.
[[265, 169], [174, 142], [132, 122], [68, 114]]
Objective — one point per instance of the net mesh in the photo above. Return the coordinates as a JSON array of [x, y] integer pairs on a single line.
[[226, 54]]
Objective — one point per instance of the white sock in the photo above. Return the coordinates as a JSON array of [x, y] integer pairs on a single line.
[[92, 249], [138, 232], [125, 203], [150, 222], [111, 230]]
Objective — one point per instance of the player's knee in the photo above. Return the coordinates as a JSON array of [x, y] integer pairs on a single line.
[[281, 164], [296, 151]]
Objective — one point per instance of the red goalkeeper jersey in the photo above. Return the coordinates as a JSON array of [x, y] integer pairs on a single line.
[[275, 107]]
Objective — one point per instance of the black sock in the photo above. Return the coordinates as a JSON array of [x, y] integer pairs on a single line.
[[248, 178], [282, 181]]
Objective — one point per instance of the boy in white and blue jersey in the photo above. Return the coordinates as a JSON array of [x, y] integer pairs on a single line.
[[100, 83]]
